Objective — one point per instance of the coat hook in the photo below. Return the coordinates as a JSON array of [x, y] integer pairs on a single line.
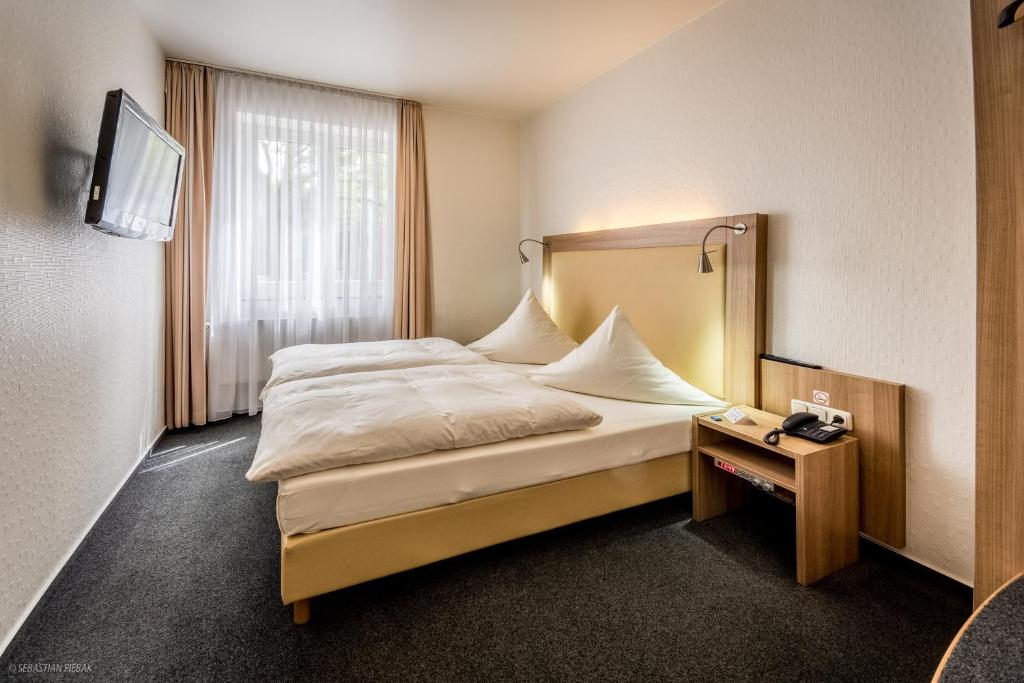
[[1011, 13]]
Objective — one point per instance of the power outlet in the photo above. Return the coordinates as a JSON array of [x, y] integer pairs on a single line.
[[847, 418], [796, 406], [824, 413]]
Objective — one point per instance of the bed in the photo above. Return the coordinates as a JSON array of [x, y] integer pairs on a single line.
[[343, 526], [630, 433]]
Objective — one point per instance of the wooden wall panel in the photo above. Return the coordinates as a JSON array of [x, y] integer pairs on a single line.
[[878, 420], [999, 118], [745, 286]]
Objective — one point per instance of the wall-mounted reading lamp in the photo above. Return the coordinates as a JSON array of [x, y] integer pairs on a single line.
[[705, 262], [522, 257], [1011, 13]]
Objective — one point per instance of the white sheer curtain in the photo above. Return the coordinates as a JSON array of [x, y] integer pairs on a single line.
[[302, 235]]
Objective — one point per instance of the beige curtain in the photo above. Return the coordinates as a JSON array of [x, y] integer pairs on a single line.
[[188, 115], [412, 238]]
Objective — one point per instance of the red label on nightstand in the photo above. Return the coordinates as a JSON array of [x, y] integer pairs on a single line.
[[725, 466]]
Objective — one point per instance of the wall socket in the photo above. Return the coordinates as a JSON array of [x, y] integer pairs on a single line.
[[824, 413]]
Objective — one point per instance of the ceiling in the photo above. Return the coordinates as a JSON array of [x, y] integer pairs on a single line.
[[498, 57]]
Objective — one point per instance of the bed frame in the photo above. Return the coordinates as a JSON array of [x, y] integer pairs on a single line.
[[709, 328]]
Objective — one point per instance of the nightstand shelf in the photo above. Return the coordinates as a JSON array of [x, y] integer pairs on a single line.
[[756, 461], [823, 477]]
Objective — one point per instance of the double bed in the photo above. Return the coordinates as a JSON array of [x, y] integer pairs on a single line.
[[630, 433], [344, 525]]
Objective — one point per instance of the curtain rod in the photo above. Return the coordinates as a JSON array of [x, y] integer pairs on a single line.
[[288, 79]]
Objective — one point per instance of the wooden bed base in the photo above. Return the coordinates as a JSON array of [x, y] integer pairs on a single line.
[[325, 561]]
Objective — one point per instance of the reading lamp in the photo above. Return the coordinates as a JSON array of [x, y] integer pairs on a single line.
[[522, 257], [705, 262]]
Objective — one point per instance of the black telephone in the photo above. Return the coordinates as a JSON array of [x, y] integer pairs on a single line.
[[806, 426]]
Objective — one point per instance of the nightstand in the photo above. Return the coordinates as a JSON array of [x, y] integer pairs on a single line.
[[820, 479]]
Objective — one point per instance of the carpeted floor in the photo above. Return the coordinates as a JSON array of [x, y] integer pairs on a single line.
[[179, 579]]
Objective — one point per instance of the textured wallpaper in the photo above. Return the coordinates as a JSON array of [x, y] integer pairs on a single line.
[[849, 122], [81, 313]]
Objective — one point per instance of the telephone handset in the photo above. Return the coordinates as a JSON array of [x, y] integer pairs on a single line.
[[806, 426]]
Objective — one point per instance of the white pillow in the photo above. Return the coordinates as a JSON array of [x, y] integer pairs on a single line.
[[527, 336], [613, 362]]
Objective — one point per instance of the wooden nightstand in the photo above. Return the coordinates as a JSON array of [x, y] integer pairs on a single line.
[[822, 478]]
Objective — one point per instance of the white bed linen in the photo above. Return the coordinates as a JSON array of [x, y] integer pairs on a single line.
[[630, 433], [323, 423], [322, 360]]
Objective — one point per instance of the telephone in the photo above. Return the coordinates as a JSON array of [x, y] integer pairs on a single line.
[[806, 426]]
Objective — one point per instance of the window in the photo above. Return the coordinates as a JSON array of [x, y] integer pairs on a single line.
[[302, 227], [293, 229]]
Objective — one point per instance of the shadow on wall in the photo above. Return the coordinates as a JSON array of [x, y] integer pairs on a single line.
[[779, 223], [45, 172], [66, 171]]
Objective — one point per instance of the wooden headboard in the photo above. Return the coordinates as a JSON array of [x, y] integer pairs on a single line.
[[708, 328], [878, 423]]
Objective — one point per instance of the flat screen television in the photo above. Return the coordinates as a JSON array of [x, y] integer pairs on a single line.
[[137, 176]]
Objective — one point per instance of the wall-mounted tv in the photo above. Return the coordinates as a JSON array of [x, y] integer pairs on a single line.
[[137, 176]]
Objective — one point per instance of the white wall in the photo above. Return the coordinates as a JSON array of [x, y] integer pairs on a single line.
[[849, 122], [473, 200], [81, 313]]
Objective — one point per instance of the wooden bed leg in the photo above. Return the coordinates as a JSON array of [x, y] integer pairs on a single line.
[[300, 611]]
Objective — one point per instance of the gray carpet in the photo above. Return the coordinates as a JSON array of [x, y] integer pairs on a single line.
[[992, 647], [179, 580]]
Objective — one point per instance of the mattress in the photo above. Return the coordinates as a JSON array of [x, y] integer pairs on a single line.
[[630, 433]]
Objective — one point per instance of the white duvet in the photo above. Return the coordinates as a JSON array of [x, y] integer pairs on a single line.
[[326, 422], [320, 360]]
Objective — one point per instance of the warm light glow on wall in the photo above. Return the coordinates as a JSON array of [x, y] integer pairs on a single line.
[[626, 217], [547, 293], [632, 216]]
